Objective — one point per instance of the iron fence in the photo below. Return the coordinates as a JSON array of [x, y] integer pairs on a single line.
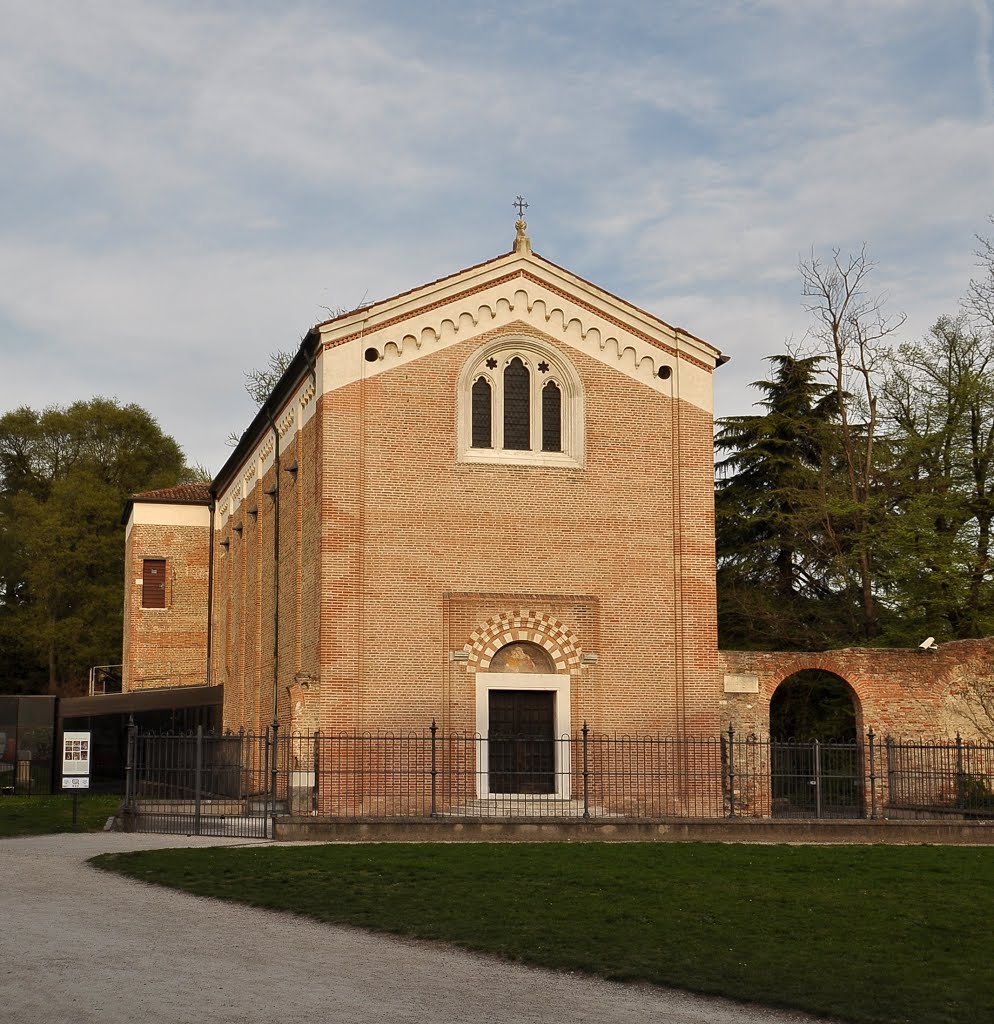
[[26, 776], [945, 778], [200, 783], [238, 783]]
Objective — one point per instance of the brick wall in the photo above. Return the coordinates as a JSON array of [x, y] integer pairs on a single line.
[[393, 554], [620, 551], [166, 646], [901, 692]]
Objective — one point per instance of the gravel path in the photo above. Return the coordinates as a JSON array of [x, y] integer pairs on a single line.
[[80, 945]]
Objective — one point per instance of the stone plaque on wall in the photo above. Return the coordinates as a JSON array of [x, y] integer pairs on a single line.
[[741, 682]]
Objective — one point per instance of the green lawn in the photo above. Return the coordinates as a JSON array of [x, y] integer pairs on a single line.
[[880, 933], [42, 815]]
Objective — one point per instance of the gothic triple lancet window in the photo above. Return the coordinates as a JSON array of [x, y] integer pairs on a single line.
[[521, 403]]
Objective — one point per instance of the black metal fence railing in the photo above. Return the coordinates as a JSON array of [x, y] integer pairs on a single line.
[[817, 780], [953, 777], [199, 783], [27, 776], [237, 784]]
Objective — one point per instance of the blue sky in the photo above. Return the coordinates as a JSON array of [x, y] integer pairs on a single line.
[[186, 187]]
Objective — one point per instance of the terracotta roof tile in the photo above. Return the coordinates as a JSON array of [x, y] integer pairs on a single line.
[[185, 492]]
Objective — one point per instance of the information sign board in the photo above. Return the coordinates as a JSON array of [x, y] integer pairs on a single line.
[[76, 760]]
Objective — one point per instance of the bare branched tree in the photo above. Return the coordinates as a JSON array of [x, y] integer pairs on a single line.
[[979, 301], [852, 332], [260, 381], [974, 693], [198, 473], [336, 311]]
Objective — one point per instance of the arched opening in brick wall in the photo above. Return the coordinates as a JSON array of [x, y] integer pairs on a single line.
[[814, 705], [815, 754]]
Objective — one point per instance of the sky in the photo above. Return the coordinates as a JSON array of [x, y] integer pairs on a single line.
[[187, 187]]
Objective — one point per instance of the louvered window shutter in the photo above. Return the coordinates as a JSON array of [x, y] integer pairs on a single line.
[[154, 583]]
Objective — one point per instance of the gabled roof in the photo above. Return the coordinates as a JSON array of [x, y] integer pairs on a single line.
[[520, 263], [427, 286], [184, 494], [401, 302]]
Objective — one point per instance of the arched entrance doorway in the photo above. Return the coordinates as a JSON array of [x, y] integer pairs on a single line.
[[813, 705], [816, 764], [522, 709]]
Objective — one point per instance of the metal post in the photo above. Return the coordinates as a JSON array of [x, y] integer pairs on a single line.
[[241, 762], [265, 784], [960, 787], [198, 771], [731, 770], [889, 747], [817, 760], [129, 769], [434, 772], [873, 776], [586, 775], [276, 731], [316, 753]]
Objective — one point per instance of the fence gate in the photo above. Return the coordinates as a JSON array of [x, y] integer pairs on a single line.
[[202, 784], [816, 780]]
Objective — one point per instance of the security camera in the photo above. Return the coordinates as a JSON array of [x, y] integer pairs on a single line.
[[928, 644]]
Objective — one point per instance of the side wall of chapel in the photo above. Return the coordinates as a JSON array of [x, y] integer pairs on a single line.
[[245, 590]]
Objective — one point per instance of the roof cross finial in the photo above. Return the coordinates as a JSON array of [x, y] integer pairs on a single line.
[[522, 243]]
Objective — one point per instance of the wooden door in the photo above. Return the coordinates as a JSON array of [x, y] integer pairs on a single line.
[[522, 738]]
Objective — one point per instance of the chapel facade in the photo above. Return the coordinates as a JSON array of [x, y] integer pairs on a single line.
[[486, 502]]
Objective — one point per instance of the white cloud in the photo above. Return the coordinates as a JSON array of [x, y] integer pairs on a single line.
[[185, 183], [985, 37]]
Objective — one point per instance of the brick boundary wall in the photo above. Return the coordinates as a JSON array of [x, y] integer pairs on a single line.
[[899, 692]]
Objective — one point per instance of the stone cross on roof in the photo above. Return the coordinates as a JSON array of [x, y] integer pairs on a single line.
[[522, 243]]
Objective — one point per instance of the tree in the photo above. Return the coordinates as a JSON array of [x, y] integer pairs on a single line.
[[64, 476], [973, 693], [939, 399], [771, 577], [978, 305], [859, 507], [851, 332], [260, 381]]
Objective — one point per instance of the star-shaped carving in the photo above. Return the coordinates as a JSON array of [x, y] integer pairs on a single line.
[[543, 367], [491, 363]]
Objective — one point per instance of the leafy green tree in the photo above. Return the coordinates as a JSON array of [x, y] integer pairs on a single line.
[[939, 400], [859, 507], [64, 476]]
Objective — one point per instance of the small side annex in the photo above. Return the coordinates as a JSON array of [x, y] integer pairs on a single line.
[[166, 588]]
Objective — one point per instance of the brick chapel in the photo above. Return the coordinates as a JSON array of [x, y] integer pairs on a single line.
[[491, 495], [487, 502]]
